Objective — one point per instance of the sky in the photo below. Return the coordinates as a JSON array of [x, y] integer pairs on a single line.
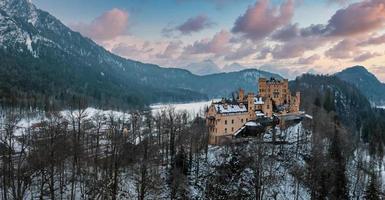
[[289, 37]]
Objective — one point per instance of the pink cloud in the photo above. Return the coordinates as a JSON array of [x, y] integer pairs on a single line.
[[109, 25], [309, 60], [374, 41], [343, 50], [296, 47], [365, 56], [217, 45], [243, 51], [286, 33], [262, 19], [195, 24], [358, 18], [171, 50]]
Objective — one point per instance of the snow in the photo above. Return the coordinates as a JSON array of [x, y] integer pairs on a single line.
[[381, 107], [28, 42], [230, 108], [252, 124], [259, 113], [258, 101], [192, 108]]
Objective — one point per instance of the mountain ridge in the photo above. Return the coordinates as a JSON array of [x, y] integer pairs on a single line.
[[365, 81], [52, 62]]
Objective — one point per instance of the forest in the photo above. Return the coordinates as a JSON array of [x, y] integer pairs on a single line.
[[74, 154]]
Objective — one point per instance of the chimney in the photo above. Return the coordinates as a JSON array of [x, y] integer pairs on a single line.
[[225, 106]]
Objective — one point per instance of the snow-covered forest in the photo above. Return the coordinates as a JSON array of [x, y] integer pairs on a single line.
[[84, 153]]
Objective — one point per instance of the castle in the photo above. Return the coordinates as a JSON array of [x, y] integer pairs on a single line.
[[274, 98]]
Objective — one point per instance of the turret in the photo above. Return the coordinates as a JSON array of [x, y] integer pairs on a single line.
[[251, 106], [241, 95], [262, 87]]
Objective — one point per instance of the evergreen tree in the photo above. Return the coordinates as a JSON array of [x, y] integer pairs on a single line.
[[329, 101], [339, 189], [372, 190]]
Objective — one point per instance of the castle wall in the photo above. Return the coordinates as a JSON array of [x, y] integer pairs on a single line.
[[223, 125], [226, 124]]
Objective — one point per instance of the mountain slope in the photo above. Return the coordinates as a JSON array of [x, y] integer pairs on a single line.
[[333, 94], [205, 67], [366, 82], [234, 67], [43, 61]]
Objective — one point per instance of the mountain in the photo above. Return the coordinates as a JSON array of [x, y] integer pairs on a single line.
[[333, 94], [234, 67], [366, 82], [45, 62], [203, 68]]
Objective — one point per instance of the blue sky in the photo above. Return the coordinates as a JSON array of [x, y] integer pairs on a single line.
[[178, 32], [149, 17]]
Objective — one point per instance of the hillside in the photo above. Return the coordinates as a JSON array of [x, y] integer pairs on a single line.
[[333, 95], [203, 68], [366, 82], [43, 61]]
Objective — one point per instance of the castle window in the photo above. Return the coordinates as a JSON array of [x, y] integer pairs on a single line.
[[242, 120], [268, 107], [232, 121], [247, 119], [226, 122], [225, 130], [232, 128]]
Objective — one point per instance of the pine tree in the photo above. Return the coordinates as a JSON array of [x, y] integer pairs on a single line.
[[329, 101], [372, 190], [339, 189]]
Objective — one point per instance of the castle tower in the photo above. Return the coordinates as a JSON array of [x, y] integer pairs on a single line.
[[298, 101], [241, 95], [262, 86], [251, 106]]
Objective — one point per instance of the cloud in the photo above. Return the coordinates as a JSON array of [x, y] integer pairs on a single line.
[[262, 19], [109, 25], [217, 45], [374, 41], [296, 47], [358, 18], [243, 51], [309, 60], [365, 56], [263, 53], [379, 71], [286, 33], [289, 72], [354, 21], [171, 51], [341, 2], [133, 51], [191, 25], [195, 24], [343, 50]]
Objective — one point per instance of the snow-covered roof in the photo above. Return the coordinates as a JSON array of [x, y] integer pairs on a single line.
[[259, 113], [239, 130], [251, 123], [258, 100], [231, 108]]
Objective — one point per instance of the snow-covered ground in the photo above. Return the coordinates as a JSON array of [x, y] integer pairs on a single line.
[[192, 108], [381, 107]]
